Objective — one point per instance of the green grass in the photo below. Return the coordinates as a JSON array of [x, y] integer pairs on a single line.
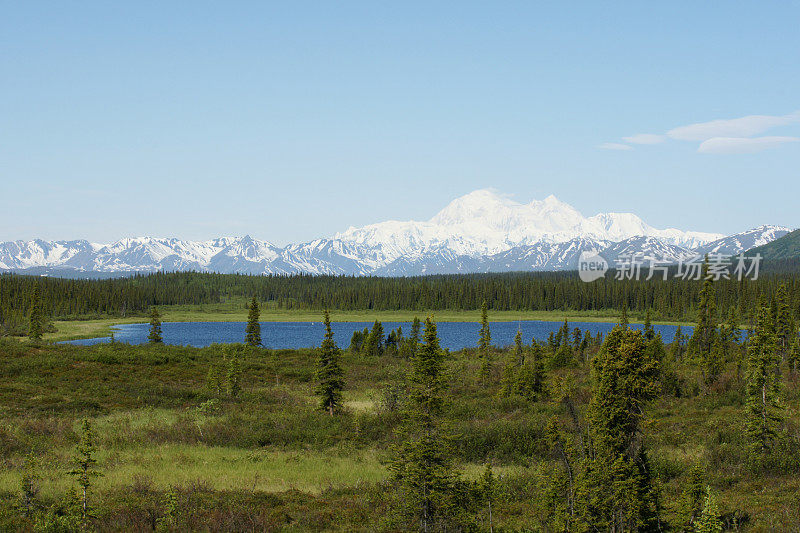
[[270, 460], [218, 467]]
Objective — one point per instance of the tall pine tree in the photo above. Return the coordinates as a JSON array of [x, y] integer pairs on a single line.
[[423, 465], [36, 321], [253, 330], [485, 344], [763, 407], [615, 490], [330, 376], [155, 335]]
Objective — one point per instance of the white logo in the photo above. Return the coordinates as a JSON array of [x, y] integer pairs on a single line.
[[591, 266]]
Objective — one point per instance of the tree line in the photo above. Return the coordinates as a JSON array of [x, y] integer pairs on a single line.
[[674, 299]]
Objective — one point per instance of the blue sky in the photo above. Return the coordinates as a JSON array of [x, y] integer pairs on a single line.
[[293, 120]]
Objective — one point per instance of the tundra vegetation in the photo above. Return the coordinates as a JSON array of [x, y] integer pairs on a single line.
[[387, 431]]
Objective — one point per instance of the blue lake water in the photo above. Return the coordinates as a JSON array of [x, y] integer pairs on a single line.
[[453, 335]]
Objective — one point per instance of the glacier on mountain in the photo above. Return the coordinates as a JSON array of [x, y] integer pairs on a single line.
[[482, 231]]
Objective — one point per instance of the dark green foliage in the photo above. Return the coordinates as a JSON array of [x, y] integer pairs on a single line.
[[357, 340], [233, 374], [253, 330], [155, 335], [36, 320], [511, 371], [704, 337], [562, 354], [709, 520], [485, 345], [422, 466], [692, 498], [615, 488], [373, 345], [85, 468], [764, 409], [674, 299], [488, 488], [330, 375]]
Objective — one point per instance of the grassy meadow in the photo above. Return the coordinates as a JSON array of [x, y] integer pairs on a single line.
[[269, 460]]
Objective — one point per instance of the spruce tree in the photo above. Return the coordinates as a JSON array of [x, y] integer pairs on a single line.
[[623, 319], [709, 521], [36, 320], [233, 377], [510, 379], [422, 467], [485, 344], [374, 343], [85, 467], [647, 330], [793, 357], [763, 407], [155, 335], [330, 376], [253, 330], [705, 330], [691, 502], [615, 490], [784, 322]]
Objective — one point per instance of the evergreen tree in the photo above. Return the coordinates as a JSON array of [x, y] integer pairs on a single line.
[[414, 338], [623, 319], [793, 357], [356, 341], [678, 344], [422, 467], [253, 330], [705, 330], [709, 521], [763, 407], [36, 321], [692, 498], [234, 374], [485, 344], [510, 379], [784, 321], [562, 356], [374, 343], [85, 467], [330, 376], [155, 335], [648, 331], [29, 486], [615, 491]]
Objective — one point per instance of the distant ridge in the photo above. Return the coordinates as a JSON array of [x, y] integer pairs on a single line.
[[482, 231], [786, 247]]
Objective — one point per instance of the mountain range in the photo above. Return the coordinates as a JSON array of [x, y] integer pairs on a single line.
[[480, 232]]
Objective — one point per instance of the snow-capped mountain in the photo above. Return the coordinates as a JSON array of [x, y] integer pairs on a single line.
[[480, 232], [746, 240]]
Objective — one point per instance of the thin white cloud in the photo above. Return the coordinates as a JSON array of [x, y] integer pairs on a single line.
[[742, 145], [615, 146], [644, 138], [732, 128]]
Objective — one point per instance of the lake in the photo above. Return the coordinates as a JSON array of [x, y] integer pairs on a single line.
[[453, 335]]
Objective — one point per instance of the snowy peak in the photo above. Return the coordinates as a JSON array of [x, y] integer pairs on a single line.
[[746, 240], [483, 231]]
